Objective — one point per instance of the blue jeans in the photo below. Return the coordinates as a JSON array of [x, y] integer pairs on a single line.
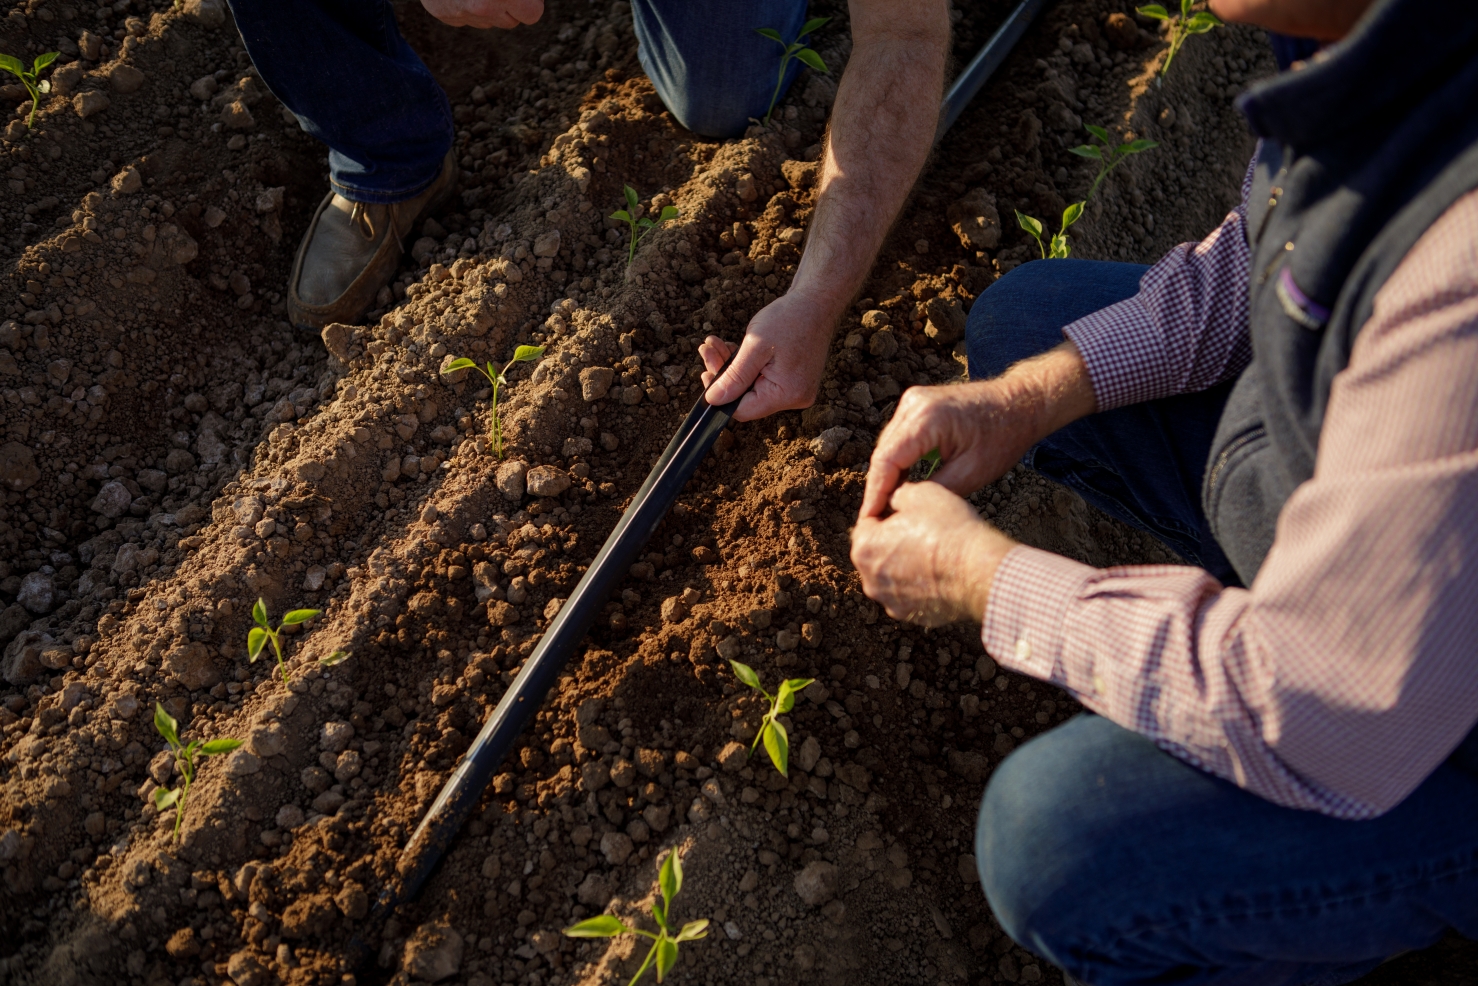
[[343, 68], [1142, 464], [1125, 866]]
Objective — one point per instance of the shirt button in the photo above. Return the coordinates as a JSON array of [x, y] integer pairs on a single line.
[[1023, 649]]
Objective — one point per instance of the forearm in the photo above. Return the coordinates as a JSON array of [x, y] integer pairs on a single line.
[[882, 127], [1049, 391]]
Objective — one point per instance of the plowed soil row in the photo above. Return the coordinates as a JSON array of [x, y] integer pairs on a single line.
[[173, 451]]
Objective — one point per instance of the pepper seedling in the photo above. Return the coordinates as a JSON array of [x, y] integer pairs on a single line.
[[31, 78], [259, 635], [646, 223], [933, 460], [1181, 27], [523, 354], [1109, 157], [772, 730], [793, 49], [185, 757], [664, 942]]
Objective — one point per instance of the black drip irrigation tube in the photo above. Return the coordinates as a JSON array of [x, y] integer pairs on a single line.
[[985, 63], [459, 796]]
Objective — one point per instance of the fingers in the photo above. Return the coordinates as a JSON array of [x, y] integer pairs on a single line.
[[526, 11], [715, 353], [752, 358], [906, 440]]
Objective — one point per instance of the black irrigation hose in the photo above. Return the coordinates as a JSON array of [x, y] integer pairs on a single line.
[[463, 790], [984, 64]]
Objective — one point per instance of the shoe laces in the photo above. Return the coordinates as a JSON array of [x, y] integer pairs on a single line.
[[360, 216]]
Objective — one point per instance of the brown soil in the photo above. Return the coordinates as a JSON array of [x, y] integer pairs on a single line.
[[173, 450]]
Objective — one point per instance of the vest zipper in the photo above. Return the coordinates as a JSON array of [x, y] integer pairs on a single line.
[[1233, 447]]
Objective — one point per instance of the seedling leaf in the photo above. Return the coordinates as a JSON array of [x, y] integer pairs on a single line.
[[164, 799], [461, 363], [693, 930], [1202, 22], [1072, 214], [746, 674], [1086, 150], [297, 616], [1137, 146], [167, 726], [12, 64], [812, 59], [666, 956], [337, 657], [600, 926], [255, 641], [669, 213], [632, 201], [771, 33], [670, 878], [622, 215], [1153, 11], [660, 913], [524, 354], [46, 59], [815, 23], [934, 459], [777, 745], [216, 747], [1100, 132], [1029, 224], [259, 613]]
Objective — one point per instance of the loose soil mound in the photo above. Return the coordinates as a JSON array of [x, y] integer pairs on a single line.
[[173, 450]]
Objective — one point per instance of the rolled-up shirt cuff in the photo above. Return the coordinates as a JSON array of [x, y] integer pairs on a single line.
[[1112, 342]]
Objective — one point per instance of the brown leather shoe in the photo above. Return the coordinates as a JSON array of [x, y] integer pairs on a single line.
[[351, 251]]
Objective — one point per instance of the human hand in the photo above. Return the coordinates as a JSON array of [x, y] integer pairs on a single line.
[[978, 429], [931, 561], [506, 14], [782, 357]]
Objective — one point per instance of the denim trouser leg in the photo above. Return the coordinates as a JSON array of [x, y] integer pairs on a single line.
[[354, 83], [1128, 867], [1142, 464], [709, 66]]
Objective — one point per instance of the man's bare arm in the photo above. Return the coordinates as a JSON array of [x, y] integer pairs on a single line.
[[882, 128]]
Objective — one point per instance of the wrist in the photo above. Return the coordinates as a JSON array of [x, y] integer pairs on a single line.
[[982, 555]]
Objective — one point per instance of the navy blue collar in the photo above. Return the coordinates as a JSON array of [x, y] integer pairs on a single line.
[[1400, 50]]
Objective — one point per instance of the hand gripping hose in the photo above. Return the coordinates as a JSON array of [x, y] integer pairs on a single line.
[[460, 794], [985, 63]]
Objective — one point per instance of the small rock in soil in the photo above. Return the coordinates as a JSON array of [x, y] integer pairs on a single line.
[[547, 481], [245, 970], [37, 593], [817, 883], [616, 847], [512, 479], [433, 953], [18, 470], [595, 382]]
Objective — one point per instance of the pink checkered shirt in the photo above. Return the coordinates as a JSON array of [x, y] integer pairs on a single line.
[[1349, 670]]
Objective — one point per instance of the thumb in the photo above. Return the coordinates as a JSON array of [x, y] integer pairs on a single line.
[[742, 372]]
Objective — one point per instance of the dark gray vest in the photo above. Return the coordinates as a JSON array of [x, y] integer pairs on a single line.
[[1362, 151]]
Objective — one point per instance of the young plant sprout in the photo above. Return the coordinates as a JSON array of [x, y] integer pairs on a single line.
[[1181, 27], [30, 78], [186, 757], [263, 632], [664, 942], [772, 730], [646, 224], [932, 457], [523, 354], [1109, 157], [793, 49]]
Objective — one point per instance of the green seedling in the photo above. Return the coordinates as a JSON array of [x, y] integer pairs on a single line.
[[30, 78], [523, 354], [1181, 27], [664, 941], [772, 730], [186, 757], [1109, 157], [645, 224], [934, 460], [260, 634], [793, 49]]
